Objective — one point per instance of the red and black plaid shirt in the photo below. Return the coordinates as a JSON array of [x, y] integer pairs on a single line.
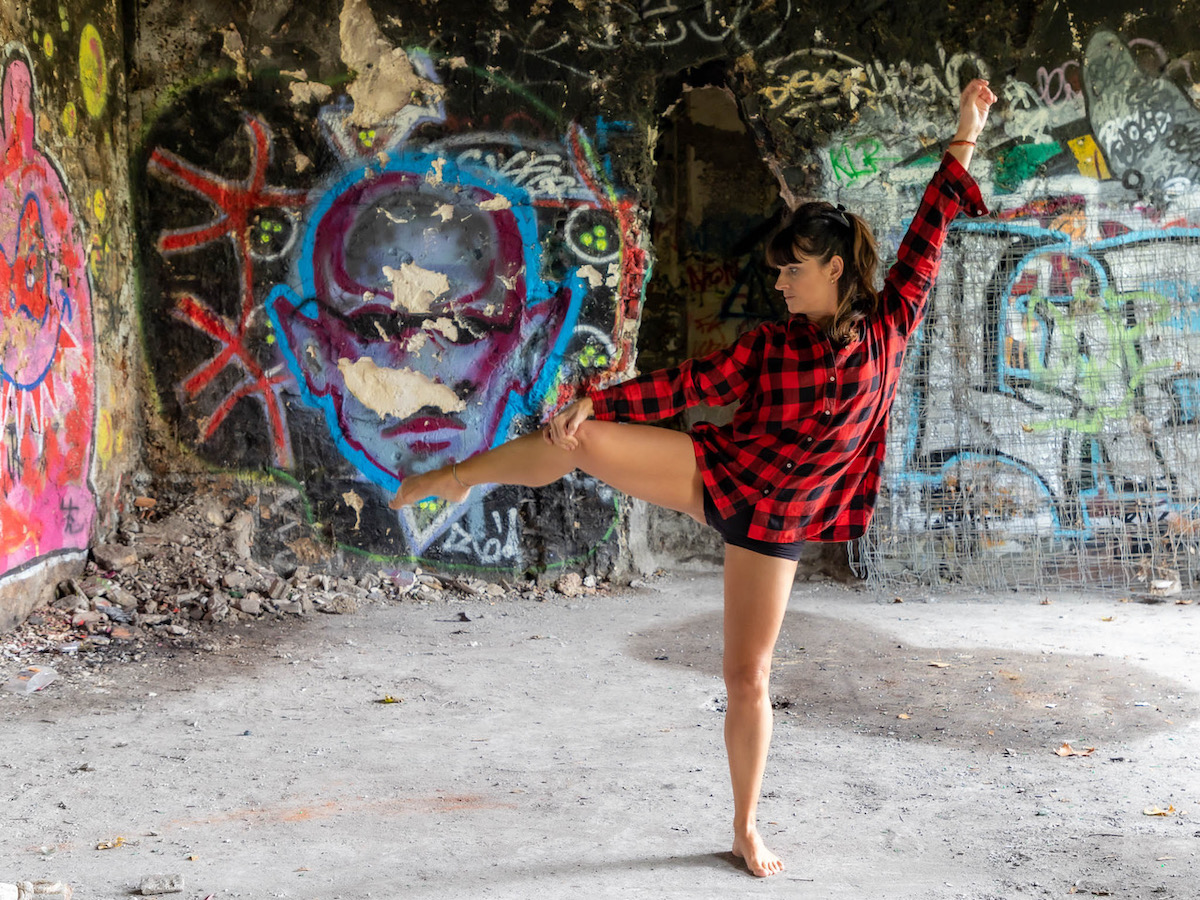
[[806, 445]]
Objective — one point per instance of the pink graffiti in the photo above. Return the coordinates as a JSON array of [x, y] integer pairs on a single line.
[[1059, 85], [47, 411]]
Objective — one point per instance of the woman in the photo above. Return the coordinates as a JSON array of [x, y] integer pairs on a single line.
[[800, 460]]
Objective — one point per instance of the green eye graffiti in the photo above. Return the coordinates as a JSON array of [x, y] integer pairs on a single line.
[[593, 357], [592, 235]]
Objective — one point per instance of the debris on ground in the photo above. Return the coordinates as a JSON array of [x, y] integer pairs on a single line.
[[30, 679], [160, 884], [36, 890], [185, 574]]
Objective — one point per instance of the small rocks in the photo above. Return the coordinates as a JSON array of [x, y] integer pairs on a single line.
[[340, 605], [121, 597], [160, 884], [114, 557], [569, 585], [188, 572], [251, 604]]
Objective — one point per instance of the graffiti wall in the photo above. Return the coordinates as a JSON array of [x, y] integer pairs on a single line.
[[1047, 428], [345, 291], [67, 414], [46, 344], [376, 237]]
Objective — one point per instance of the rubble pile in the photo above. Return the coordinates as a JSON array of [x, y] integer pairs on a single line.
[[184, 577]]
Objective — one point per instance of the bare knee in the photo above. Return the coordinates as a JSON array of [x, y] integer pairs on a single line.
[[747, 682]]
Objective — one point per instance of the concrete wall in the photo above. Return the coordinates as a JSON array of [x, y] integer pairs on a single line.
[[348, 211], [69, 357]]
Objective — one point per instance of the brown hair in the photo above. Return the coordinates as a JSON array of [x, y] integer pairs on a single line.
[[822, 230]]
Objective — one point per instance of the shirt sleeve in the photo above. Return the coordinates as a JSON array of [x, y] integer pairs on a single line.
[[719, 378], [911, 277]]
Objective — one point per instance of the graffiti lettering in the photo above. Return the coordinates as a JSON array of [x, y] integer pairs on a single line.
[[501, 543], [798, 89], [855, 160], [1056, 86]]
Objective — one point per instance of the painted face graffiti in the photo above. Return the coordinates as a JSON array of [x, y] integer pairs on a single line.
[[419, 328]]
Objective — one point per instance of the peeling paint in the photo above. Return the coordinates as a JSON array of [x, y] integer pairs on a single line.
[[444, 325], [495, 203], [395, 392], [592, 274], [510, 283], [386, 81], [310, 92], [234, 47], [435, 171], [414, 289], [446, 211], [399, 220], [355, 502]]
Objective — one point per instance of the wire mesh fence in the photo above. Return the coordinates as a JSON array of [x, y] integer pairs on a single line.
[[1048, 429]]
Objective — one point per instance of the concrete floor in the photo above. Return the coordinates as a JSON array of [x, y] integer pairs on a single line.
[[573, 748]]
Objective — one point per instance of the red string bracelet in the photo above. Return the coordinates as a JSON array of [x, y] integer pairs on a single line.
[[952, 143]]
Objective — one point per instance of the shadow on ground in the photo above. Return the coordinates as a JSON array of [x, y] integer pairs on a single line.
[[831, 673]]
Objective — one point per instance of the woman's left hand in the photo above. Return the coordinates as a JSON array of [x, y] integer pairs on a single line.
[[973, 106], [561, 430]]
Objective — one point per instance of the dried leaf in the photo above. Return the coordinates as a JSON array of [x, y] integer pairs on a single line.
[[904, 716], [939, 665], [111, 845], [1067, 750], [1155, 811], [1108, 618], [388, 698]]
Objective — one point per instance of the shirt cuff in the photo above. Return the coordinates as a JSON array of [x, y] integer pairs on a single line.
[[600, 406], [963, 187]]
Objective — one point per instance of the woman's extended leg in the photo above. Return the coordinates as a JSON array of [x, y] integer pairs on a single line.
[[757, 588], [645, 461]]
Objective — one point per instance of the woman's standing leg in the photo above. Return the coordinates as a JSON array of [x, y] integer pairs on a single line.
[[757, 588]]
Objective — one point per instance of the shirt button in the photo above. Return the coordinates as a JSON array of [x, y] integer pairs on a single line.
[[789, 465], [833, 378], [808, 440], [825, 413]]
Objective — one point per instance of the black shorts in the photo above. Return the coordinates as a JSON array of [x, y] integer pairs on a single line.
[[734, 530]]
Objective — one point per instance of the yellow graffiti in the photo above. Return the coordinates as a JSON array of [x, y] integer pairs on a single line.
[[48, 45], [100, 205], [1088, 157], [105, 437], [69, 119], [93, 73]]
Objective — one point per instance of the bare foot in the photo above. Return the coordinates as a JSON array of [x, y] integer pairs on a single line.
[[438, 483], [753, 852]]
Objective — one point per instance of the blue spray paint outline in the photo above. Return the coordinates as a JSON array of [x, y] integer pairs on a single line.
[[1049, 241], [537, 291], [64, 304]]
